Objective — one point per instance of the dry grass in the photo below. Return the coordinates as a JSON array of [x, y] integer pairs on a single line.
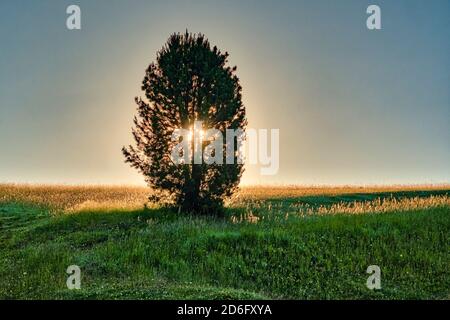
[[385, 205], [294, 191], [257, 209], [72, 199]]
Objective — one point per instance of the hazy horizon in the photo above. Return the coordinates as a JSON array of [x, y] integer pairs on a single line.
[[354, 107]]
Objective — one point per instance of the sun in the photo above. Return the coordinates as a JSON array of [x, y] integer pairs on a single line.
[[198, 133]]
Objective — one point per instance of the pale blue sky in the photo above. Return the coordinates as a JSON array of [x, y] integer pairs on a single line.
[[353, 106]]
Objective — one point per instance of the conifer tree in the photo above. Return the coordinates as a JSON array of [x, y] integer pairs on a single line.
[[190, 81]]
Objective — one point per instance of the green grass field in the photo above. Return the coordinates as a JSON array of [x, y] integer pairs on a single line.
[[291, 247]]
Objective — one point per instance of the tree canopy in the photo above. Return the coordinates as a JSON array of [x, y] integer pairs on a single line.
[[190, 81]]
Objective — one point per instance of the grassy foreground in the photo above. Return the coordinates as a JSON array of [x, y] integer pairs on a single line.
[[288, 252]]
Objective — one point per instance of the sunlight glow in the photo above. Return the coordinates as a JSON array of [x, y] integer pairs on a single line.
[[201, 133]]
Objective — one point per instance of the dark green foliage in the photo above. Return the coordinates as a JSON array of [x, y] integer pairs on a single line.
[[189, 82]]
